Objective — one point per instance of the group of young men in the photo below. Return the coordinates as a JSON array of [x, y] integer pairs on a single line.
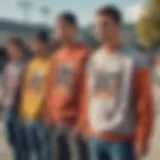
[[78, 103]]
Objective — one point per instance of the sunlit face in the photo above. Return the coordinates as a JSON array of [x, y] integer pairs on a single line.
[[65, 31], [13, 51], [39, 48], [105, 28]]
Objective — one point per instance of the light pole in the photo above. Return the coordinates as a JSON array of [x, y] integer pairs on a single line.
[[45, 12], [25, 6]]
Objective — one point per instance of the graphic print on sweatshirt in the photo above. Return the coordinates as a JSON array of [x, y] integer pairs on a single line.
[[37, 81], [65, 78], [107, 89], [109, 83]]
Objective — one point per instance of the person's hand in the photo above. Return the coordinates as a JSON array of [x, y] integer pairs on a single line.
[[23, 121], [47, 122], [141, 149], [77, 133], [2, 112]]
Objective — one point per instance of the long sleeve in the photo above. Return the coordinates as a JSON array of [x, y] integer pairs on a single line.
[[2, 89], [83, 92], [83, 124], [83, 116], [49, 81], [145, 108], [19, 92]]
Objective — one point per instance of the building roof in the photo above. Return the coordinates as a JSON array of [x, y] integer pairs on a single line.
[[10, 25]]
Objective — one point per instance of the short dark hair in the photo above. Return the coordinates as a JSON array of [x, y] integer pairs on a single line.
[[70, 18], [43, 36], [112, 12], [17, 42]]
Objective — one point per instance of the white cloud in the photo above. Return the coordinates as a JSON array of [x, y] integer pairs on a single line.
[[134, 12]]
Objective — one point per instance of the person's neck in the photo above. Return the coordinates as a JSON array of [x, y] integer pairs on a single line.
[[43, 54], [112, 46], [43, 57], [70, 44], [17, 59]]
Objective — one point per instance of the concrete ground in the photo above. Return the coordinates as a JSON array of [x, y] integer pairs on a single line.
[[155, 147], [5, 152]]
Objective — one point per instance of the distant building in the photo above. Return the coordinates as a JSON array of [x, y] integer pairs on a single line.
[[10, 28]]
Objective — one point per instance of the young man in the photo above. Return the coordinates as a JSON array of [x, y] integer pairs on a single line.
[[33, 94], [116, 109], [9, 93], [65, 85]]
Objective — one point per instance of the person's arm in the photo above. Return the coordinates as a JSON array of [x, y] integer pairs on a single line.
[[3, 79], [145, 110], [2, 91], [46, 104], [82, 124], [19, 92]]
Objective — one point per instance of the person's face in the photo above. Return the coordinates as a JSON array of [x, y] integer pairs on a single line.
[[64, 31], [13, 51], [39, 47], [106, 28]]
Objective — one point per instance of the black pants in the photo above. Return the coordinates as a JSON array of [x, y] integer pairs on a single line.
[[67, 146]]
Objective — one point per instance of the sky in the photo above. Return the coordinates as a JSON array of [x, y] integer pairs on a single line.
[[84, 9]]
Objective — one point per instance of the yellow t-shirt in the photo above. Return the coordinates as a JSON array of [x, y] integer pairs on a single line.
[[35, 88]]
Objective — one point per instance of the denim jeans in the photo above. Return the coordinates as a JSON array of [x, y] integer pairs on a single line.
[[16, 136], [102, 150], [40, 141]]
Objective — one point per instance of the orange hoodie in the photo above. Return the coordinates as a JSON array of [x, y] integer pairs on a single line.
[[65, 84], [117, 105]]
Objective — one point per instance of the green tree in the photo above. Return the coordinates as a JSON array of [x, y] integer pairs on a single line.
[[149, 25]]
